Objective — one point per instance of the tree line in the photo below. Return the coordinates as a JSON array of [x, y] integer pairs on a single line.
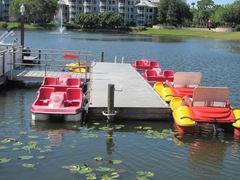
[[170, 12]]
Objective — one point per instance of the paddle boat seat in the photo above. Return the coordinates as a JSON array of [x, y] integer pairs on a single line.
[[44, 95], [73, 97], [184, 83], [210, 96], [154, 64], [187, 79], [50, 81], [211, 105], [73, 82]]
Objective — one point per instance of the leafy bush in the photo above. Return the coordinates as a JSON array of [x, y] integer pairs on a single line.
[[237, 27]]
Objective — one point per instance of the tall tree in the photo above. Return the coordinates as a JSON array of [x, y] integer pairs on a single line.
[[173, 12], [205, 8], [38, 11]]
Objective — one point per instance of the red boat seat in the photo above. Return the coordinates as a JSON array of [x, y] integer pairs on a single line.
[[139, 63], [73, 82], [74, 96], [50, 81], [168, 73], [44, 94], [151, 73], [154, 64]]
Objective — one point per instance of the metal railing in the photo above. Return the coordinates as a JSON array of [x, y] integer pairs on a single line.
[[46, 60]]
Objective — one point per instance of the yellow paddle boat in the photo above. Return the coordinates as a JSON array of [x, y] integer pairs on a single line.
[[77, 67]]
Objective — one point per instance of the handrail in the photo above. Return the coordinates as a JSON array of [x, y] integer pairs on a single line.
[[48, 59]]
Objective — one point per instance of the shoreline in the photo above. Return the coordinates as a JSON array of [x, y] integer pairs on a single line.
[[227, 36]]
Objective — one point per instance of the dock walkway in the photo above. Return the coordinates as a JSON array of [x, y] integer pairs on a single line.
[[134, 98]]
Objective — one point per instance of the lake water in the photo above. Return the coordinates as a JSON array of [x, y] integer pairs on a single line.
[[58, 150]]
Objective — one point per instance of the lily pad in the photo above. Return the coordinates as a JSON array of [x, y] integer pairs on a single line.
[[98, 158], [22, 133], [115, 161], [4, 160], [91, 176], [138, 127], [106, 128], [41, 157], [96, 123], [28, 165], [146, 128], [33, 137], [85, 169], [104, 169], [7, 140], [25, 157], [118, 126], [3, 147], [144, 175]]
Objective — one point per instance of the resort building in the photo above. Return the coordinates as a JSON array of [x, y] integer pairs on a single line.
[[134, 12], [4, 10]]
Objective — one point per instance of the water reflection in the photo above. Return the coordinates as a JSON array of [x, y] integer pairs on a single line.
[[207, 156], [55, 129]]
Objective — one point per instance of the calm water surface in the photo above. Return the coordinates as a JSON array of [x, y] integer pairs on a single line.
[[121, 148]]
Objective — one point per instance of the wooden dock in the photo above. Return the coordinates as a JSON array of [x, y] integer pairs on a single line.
[[134, 98]]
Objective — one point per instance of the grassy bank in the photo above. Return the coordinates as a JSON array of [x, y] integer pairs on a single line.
[[229, 36]]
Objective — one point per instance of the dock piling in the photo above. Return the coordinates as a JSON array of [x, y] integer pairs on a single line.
[[110, 108], [101, 56]]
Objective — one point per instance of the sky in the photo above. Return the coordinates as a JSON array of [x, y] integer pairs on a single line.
[[219, 2]]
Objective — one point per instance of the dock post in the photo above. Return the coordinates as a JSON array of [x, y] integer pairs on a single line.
[[14, 58], [110, 113], [39, 56], [102, 57], [3, 66], [110, 108], [122, 60]]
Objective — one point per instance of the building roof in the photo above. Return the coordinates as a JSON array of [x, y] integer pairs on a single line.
[[146, 3]]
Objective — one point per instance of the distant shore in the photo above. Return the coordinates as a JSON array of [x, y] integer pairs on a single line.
[[210, 34]]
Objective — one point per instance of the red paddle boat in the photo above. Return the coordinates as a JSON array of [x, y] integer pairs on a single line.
[[145, 64], [59, 97]]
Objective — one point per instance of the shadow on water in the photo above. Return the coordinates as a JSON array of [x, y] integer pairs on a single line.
[[132, 38]]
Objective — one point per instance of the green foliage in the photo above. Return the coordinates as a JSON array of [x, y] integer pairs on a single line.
[[220, 15], [36, 11], [173, 12], [106, 19], [237, 27], [139, 28]]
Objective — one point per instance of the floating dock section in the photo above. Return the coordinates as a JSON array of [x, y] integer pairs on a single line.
[[134, 98]]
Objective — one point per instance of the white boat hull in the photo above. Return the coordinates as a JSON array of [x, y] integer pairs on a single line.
[[67, 117], [40, 117]]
